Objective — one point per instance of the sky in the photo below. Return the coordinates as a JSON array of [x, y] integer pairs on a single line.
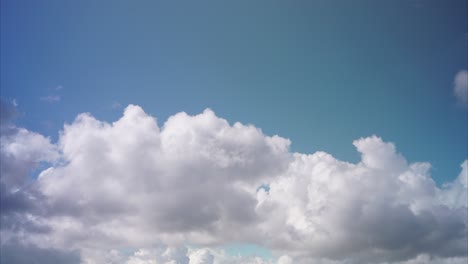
[[234, 131]]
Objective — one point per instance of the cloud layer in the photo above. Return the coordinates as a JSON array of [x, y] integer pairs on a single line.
[[180, 192]]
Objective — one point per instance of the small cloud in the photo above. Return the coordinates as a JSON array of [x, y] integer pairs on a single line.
[[57, 87], [7, 110], [461, 86], [50, 98], [116, 105]]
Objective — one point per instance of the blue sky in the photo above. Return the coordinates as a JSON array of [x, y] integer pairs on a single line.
[[321, 73]]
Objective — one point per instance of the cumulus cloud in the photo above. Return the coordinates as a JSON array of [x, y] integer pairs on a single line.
[[184, 255], [369, 212], [167, 255], [461, 86], [21, 152], [201, 256], [195, 181], [194, 178], [285, 260]]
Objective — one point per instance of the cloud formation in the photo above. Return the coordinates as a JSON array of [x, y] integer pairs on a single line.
[[461, 86], [378, 210], [51, 98], [195, 182], [19, 253]]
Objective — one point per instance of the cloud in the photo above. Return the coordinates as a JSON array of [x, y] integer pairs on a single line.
[[22, 151], [461, 86], [7, 111], [195, 181], [370, 212], [167, 255], [201, 256], [200, 172], [116, 105], [285, 260], [51, 98], [18, 253], [184, 255]]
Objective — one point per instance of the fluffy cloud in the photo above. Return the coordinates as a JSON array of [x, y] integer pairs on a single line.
[[160, 255], [461, 86], [195, 181], [284, 260], [201, 256], [184, 255], [21, 152], [377, 210]]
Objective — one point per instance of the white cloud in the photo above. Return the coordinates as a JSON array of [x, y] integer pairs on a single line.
[[21, 151], [201, 256], [160, 255], [285, 260], [461, 86], [455, 194], [379, 209], [184, 255], [427, 259], [194, 181]]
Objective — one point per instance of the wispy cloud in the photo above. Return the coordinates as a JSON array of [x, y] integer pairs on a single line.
[[461, 86], [116, 105], [50, 98]]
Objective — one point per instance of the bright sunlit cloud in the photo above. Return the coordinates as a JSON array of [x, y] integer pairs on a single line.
[[194, 181]]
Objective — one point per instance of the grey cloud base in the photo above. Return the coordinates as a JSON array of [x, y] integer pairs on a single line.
[[195, 181]]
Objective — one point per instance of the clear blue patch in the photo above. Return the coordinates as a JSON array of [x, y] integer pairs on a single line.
[[41, 166], [248, 250], [265, 187]]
